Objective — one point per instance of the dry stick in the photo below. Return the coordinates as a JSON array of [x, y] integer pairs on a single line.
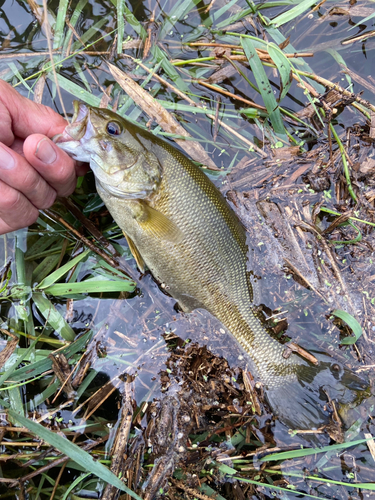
[[233, 96], [359, 37], [221, 123], [12, 55], [48, 36], [209, 6], [261, 52], [121, 441]]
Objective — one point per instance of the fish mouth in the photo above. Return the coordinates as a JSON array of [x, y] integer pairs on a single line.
[[80, 128]]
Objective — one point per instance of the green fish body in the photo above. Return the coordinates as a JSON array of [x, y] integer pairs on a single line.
[[181, 228]]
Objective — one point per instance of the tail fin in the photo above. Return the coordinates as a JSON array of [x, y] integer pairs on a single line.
[[301, 401]]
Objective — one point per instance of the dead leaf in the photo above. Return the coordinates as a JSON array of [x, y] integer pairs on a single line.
[[106, 98], [39, 89], [372, 126], [8, 350], [367, 167]]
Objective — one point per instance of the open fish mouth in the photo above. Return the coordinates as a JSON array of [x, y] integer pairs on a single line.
[[77, 134], [80, 128]]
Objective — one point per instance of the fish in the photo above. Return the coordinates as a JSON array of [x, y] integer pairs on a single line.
[[180, 227]]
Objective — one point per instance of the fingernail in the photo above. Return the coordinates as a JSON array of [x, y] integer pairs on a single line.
[[45, 152], [6, 159]]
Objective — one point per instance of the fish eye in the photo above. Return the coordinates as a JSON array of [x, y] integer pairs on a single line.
[[113, 128]]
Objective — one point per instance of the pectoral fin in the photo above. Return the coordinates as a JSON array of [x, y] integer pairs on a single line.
[[156, 224], [137, 256]]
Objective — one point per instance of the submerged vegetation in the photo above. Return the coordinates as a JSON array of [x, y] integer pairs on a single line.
[[105, 389]]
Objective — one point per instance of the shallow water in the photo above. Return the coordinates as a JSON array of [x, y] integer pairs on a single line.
[[130, 333]]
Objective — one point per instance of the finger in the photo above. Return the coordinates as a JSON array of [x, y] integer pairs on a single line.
[[6, 132], [5, 228], [26, 117], [53, 164], [17, 173], [16, 211]]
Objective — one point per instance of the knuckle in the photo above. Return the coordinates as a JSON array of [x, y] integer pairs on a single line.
[[10, 198], [49, 200], [32, 182], [31, 217], [65, 174]]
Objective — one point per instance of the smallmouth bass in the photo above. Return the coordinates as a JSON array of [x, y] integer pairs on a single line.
[[180, 227]]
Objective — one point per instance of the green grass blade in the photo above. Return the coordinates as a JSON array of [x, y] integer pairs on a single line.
[[16, 73], [89, 33], [366, 486], [88, 286], [277, 488], [73, 21], [352, 324], [340, 60], [15, 400], [74, 452], [177, 13], [292, 13], [133, 21], [76, 90], [169, 69], [59, 273], [8, 373], [233, 19], [264, 88], [60, 23], [284, 67], [77, 480], [120, 25], [223, 10], [286, 455], [53, 317], [34, 369], [43, 269], [362, 21]]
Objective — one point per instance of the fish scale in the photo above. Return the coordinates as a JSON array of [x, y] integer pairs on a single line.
[[180, 226], [210, 263]]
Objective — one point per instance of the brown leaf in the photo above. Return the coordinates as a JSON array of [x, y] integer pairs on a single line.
[[155, 111], [367, 167], [8, 350], [372, 126], [285, 43]]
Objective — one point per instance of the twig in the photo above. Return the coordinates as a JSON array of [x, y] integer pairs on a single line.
[[229, 94], [261, 52]]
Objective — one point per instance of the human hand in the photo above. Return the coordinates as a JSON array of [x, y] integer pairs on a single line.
[[33, 170]]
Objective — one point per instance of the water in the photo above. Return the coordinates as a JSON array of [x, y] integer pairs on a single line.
[[138, 334]]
